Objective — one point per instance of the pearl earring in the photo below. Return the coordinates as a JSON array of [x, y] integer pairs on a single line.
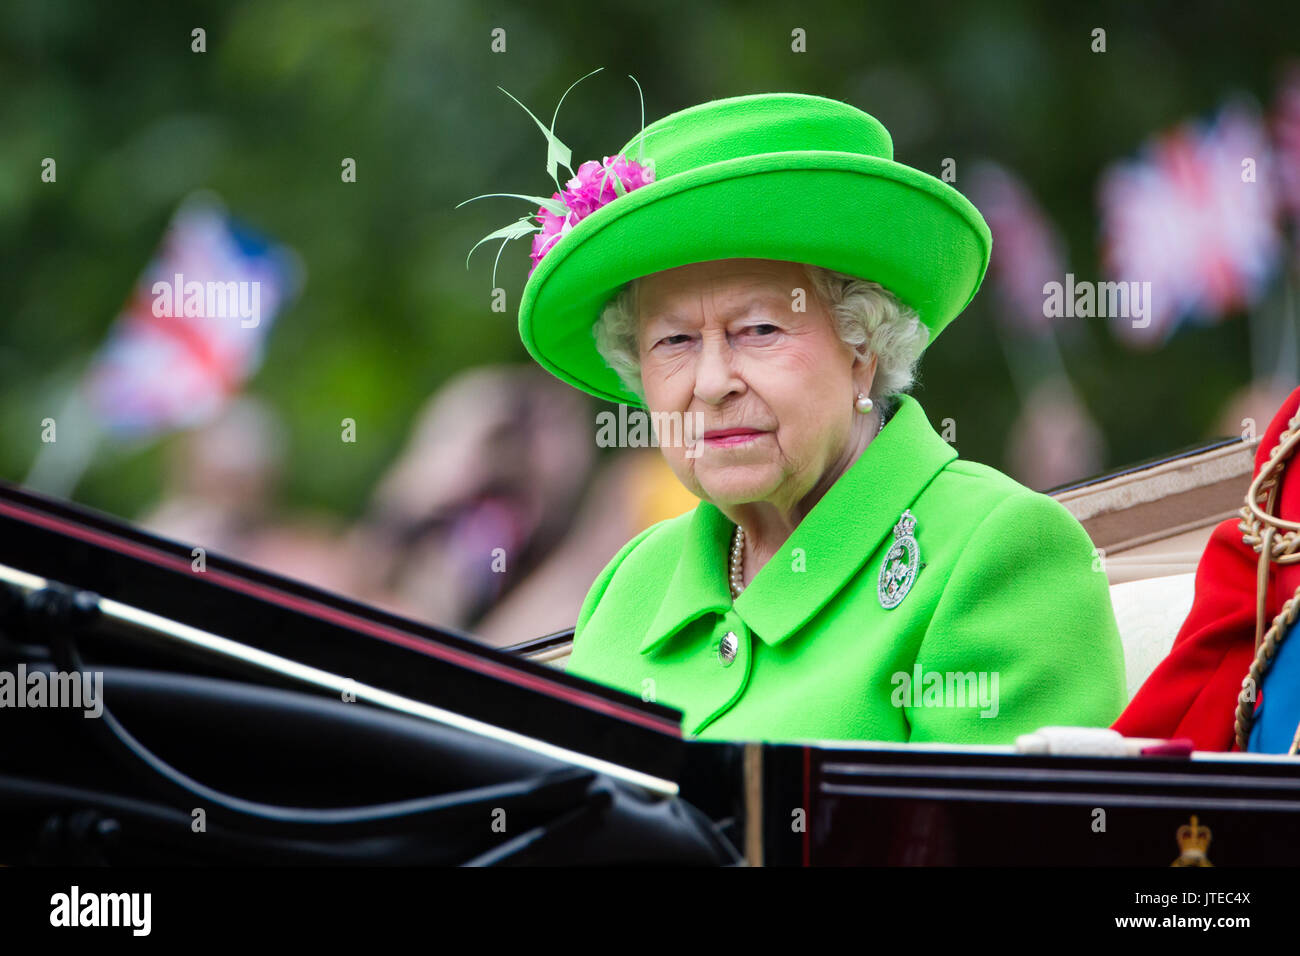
[[863, 403]]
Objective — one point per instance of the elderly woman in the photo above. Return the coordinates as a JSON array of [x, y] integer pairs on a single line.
[[765, 273]]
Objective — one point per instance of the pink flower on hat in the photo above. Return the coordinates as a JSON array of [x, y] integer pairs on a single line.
[[591, 188]]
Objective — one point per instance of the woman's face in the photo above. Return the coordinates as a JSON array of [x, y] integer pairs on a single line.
[[757, 369]]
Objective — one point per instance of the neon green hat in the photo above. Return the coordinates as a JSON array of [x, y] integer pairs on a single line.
[[784, 176]]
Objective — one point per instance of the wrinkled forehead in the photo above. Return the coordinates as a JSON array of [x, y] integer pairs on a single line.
[[724, 286]]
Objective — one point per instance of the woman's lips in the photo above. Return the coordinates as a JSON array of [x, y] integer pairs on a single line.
[[727, 437]]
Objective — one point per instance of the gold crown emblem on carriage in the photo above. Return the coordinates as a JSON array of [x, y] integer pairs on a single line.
[[1193, 841]]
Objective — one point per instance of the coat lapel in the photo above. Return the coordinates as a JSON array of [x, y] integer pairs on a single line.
[[699, 582], [823, 553]]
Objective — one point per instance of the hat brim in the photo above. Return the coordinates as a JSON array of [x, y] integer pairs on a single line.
[[869, 217]]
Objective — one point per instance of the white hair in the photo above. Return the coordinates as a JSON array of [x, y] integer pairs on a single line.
[[863, 313]]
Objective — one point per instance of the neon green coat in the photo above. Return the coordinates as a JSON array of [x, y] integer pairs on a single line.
[[1007, 626]]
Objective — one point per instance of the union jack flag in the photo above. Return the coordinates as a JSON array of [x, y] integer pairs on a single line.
[[171, 360], [1197, 216]]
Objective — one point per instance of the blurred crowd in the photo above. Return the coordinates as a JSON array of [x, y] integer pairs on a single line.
[[493, 520]]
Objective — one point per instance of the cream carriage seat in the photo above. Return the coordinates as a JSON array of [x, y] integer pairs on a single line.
[[1149, 613], [1150, 525]]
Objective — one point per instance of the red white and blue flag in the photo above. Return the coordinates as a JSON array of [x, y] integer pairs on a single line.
[[1197, 216], [194, 328]]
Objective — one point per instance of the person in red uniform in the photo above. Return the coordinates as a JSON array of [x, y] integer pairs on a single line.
[[1193, 692]]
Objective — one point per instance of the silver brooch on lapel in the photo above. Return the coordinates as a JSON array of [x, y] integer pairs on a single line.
[[902, 562]]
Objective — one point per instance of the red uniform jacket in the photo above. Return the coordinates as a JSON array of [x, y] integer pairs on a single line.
[[1193, 693]]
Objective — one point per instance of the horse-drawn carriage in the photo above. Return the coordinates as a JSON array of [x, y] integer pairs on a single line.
[[246, 717]]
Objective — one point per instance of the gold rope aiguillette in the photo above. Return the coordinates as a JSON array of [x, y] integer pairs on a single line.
[[1275, 539]]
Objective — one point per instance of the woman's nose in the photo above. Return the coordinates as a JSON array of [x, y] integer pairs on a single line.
[[715, 374]]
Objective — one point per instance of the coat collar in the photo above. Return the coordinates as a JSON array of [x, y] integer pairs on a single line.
[[837, 536]]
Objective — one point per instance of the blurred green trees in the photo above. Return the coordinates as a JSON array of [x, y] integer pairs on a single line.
[[288, 88]]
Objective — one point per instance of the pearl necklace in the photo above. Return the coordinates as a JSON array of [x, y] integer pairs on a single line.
[[736, 564]]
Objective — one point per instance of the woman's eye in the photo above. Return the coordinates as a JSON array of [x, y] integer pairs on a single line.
[[765, 328], [674, 339]]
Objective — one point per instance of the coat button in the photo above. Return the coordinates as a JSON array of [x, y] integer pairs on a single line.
[[728, 648]]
